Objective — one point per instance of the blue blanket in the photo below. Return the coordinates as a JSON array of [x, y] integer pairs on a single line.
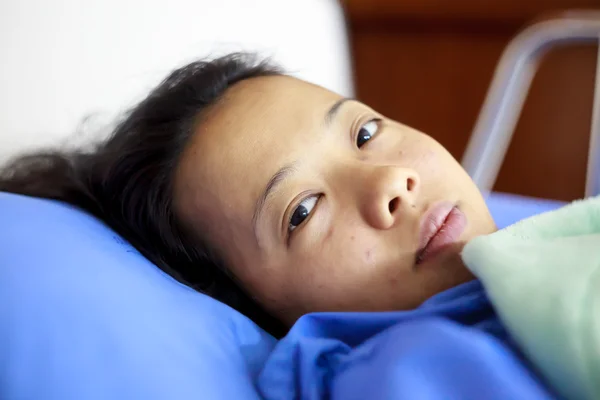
[[452, 347]]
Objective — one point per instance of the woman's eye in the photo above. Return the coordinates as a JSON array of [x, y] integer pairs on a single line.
[[366, 132], [302, 212]]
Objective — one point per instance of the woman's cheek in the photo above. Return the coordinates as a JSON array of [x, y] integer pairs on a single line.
[[361, 250]]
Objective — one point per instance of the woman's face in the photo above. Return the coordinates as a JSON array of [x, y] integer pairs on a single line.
[[319, 203]]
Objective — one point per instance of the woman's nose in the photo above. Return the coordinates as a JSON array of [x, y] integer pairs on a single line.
[[389, 192]]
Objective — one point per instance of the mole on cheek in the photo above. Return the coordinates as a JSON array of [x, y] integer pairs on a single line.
[[329, 234], [370, 256]]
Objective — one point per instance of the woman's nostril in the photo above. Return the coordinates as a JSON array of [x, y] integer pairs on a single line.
[[410, 184], [393, 204]]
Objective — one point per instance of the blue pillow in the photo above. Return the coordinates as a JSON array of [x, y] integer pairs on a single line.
[[84, 316]]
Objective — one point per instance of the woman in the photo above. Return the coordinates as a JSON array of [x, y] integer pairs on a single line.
[[273, 195]]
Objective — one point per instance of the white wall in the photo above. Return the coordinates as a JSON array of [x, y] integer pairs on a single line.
[[64, 60]]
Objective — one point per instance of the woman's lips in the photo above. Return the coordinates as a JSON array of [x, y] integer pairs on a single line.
[[441, 226]]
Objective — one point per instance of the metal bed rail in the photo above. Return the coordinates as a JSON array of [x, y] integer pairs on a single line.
[[510, 86]]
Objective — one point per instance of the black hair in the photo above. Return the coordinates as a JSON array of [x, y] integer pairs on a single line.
[[127, 180]]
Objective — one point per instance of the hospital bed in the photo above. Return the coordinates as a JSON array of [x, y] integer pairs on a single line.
[[82, 314], [500, 112]]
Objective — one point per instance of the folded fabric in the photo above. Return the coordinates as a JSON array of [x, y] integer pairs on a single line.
[[451, 347], [543, 277]]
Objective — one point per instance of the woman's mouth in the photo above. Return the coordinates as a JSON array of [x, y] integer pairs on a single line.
[[441, 226]]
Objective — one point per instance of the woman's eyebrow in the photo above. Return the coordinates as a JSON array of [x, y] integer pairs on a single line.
[[276, 180], [335, 108], [284, 172]]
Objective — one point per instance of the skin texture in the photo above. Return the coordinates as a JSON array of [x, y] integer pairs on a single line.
[[356, 249]]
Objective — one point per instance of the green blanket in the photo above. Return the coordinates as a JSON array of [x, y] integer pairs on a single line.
[[543, 277]]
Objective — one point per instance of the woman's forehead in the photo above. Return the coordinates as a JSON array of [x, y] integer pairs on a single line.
[[261, 125], [271, 101]]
